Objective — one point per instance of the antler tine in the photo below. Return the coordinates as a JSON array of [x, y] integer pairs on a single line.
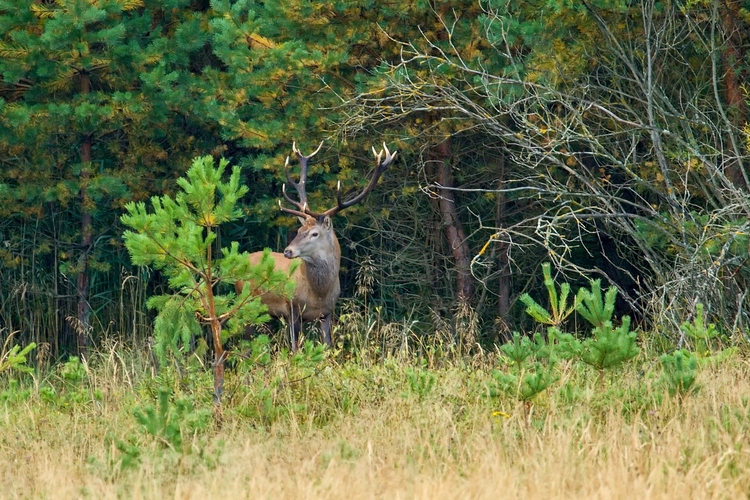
[[299, 153], [301, 205], [292, 211], [381, 164]]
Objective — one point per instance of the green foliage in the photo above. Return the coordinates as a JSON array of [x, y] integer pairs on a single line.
[[170, 423], [128, 454], [15, 393], [69, 387], [680, 372], [523, 384], [421, 381], [178, 238], [519, 349], [97, 107], [73, 372], [681, 367], [563, 345], [700, 333], [263, 396], [309, 356], [251, 354], [609, 347], [176, 325], [558, 301], [594, 308], [553, 347], [14, 359], [265, 404], [531, 368], [172, 430], [307, 57]]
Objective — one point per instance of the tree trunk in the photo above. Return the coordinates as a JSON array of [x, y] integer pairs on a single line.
[[454, 231], [733, 79], [503, 262], [215, 324], [733, 61], [87, 239], [218, 369]]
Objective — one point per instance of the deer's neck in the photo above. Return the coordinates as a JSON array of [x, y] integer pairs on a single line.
[[322, 273]]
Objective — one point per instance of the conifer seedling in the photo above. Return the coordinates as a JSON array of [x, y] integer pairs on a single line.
[[594, 308], [527, 375], [558, 301], [680, 372], [609, 347], [699, 332]]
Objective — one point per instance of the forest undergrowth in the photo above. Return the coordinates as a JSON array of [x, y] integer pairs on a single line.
[[344, 424]]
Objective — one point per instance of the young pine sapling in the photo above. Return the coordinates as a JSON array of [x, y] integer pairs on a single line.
[[178, 237], [608, 347]]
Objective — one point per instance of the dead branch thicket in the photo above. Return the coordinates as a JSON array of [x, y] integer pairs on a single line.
[[639, 158]]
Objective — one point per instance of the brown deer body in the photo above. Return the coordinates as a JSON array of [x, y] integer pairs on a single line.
[[317, 276]]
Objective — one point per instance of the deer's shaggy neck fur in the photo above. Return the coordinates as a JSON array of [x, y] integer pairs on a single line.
[[322, 273]]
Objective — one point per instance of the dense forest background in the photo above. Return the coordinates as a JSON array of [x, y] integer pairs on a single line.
[[608, 137]]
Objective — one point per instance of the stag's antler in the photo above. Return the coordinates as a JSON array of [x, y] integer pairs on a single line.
[[382, 160], [381, 164], [298, 186]]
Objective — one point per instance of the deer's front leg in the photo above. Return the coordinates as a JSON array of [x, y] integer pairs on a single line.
[[325, 325], [295, 325]]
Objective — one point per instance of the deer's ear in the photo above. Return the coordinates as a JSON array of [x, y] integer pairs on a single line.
[[327, 223], [302, 220]]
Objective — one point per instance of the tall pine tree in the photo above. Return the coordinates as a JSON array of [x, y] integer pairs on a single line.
[[95, 109]]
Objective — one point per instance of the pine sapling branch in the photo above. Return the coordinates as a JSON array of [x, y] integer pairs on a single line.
[[559, 308], [594, 308]]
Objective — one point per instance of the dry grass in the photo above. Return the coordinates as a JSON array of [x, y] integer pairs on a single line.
[[445, 445]]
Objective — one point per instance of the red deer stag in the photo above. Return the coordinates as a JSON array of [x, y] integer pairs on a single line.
[[317, 277]]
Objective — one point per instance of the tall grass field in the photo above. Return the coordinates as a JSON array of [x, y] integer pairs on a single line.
[[322, 424]]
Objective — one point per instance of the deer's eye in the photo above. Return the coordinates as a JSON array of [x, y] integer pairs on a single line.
[[314, 235]]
